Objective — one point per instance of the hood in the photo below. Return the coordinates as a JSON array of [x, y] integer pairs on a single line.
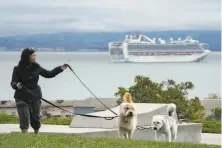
[[24, 61]]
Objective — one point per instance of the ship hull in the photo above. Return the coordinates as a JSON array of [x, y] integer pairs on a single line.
[[195, 57], [164, 59]]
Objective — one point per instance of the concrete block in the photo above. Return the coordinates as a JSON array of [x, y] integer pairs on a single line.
[[145, 113]]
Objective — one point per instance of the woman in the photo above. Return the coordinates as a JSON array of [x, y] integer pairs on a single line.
[[26, 73]]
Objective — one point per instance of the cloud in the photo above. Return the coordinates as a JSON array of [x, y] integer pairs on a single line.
[[24, 16]]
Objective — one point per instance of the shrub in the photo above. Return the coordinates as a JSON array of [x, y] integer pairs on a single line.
[[210, 126], [215, 114], [57, 121], [6, 118]]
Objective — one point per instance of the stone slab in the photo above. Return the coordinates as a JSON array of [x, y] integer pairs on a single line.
[[145, 113]]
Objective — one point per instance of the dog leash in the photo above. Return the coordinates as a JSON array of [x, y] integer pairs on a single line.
[[143, 128], [93, 116], [89, 89]]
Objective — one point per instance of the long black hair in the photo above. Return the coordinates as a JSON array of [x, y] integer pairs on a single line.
[[25, 57]]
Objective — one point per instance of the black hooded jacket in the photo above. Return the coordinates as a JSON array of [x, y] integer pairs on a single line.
[[28, 75]]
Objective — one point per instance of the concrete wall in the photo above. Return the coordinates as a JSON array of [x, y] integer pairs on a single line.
[[56, 112], [83, 110], [186, 133], [11, 111], [145, 113]]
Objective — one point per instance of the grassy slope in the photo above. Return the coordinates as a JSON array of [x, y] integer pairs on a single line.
[[60, 141]]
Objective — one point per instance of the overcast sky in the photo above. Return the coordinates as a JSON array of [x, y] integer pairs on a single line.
[[37, 16]]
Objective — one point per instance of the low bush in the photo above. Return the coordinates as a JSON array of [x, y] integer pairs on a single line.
[[57, 121], [8, 119], [210, 126]]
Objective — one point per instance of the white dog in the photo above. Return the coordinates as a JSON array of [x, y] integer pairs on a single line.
[[165, 124], [127, 120]]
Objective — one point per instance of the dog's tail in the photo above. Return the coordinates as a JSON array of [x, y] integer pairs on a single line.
[[171, 108], [127, 97]]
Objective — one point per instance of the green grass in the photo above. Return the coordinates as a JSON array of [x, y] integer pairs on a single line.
[[61, 141]]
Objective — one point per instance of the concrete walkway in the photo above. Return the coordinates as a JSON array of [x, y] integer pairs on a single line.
[[61, 129], [211, 138], [54, 129]]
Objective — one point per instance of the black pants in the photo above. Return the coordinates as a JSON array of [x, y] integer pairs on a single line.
[[29, 113]]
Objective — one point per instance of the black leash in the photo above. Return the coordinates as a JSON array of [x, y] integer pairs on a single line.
[[138, 127], [143, 128], [93, 116], [89, 89]]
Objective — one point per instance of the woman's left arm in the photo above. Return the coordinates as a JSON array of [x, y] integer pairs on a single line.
[[51, 73]]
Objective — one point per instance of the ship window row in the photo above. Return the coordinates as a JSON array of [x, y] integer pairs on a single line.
[[164, 54], [161, 47], [116, 51]]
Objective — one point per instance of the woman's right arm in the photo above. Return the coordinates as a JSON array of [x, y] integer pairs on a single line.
[[15, 78]]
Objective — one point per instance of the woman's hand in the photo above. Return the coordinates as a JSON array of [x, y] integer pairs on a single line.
[[64, 66], [18, 85]]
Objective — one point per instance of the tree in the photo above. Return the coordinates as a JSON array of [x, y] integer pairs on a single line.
[[215, 115], [144, 90], [195, 110]]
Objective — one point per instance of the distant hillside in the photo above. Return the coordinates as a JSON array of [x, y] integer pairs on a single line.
[[99, 40]]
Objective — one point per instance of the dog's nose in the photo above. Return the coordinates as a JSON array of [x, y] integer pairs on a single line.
[[131, 113], [155, 128]]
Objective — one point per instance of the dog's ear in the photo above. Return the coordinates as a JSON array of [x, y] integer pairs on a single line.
[[127, 97], [163, 120]]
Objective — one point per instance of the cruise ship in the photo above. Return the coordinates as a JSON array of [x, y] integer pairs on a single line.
[[140, 48]]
